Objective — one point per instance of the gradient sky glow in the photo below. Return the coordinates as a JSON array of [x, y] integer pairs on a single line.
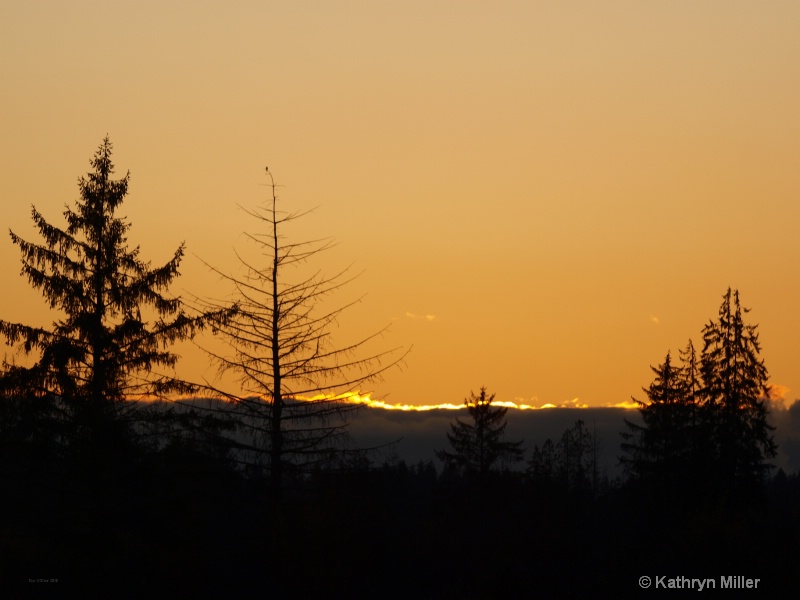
[[544, 197]]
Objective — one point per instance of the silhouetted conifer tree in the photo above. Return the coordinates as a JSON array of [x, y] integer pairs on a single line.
[[659, 451], [102, 350], [705, 427], [734, 392], [478, 446], [691, 379]]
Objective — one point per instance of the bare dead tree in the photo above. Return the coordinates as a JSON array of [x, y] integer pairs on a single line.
[[294, 379]]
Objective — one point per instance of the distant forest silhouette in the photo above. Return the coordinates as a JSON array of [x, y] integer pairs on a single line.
[[263, 493]]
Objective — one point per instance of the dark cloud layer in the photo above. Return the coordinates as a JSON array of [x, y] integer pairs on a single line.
[[787, 436], [414, 436]]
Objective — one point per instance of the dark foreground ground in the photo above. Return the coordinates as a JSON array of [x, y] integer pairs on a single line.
[[183, 524]]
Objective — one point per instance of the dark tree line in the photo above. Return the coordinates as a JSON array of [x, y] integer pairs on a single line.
[[572, 463], [704, 428]]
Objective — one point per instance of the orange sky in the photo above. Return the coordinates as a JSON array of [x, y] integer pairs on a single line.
[[566, 189]]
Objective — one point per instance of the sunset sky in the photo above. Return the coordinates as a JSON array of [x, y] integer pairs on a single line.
[[544, 197]]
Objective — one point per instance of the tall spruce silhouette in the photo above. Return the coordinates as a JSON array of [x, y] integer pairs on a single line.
[[478, 446], [662, 452], [704, 428], [735, 389], [110, 342]]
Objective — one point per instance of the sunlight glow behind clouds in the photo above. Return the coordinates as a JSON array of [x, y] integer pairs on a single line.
[[366, 400], [777, 397], [452, 157]]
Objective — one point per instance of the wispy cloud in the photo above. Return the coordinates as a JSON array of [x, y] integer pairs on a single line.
[[629, 404], [414, 316], [574, 403]]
